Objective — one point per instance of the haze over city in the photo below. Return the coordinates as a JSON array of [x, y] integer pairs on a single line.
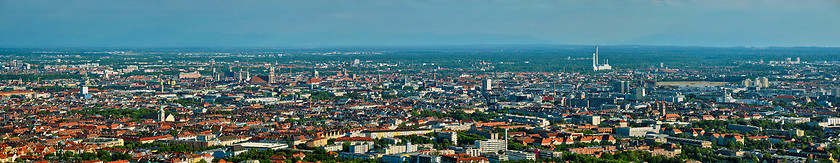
[[420, 81], [323, 23]]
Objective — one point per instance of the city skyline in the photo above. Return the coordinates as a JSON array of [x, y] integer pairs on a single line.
[[425, 105], [419, 81]]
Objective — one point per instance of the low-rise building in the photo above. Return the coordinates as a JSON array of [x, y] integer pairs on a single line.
[[316, 142], [691, 142], [462, 158], [424, 159], [104, 142], [791, 132], [361, 148], [201, 141], [261, 145], [536, 121], [519, 155], [394, 133], [743, 128], [333, 147], [637, 131]]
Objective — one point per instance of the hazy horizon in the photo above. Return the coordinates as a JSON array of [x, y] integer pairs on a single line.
[[301, 24], [429, 46]]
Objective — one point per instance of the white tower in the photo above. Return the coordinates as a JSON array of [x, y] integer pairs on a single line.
[[595, 59], [506, 138], [488, 84], [596, 65], [240, 76], [161, 114], [84, 90]]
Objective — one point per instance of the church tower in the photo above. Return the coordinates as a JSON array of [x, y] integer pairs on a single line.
[[161, 114], [271, 77]]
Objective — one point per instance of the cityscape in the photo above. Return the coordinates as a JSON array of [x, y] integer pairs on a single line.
[[67, 95]]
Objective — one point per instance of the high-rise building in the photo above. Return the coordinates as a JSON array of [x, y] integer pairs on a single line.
[[488, 84], [761, 82], [836, 92], [356, 62], [452, 136], [491, 145], [84, 90], [409, 147], [765, 82], [640, 93], [589, 119], [747, 82], [622, 87], [215, 75]]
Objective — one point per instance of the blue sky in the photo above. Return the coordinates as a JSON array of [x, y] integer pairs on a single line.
[[307, 23]]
